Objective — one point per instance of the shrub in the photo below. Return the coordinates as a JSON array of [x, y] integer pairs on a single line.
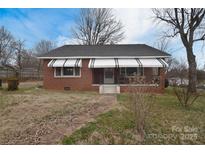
[[13, 84], [184, 96], [141, 103]]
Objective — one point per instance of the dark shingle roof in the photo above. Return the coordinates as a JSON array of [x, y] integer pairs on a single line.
[[118, 50]]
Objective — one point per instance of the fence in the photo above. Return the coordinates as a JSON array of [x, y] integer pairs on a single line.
[[24, 74]]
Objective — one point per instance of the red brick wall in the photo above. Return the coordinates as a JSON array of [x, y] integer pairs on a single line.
[[75, 83], [85, 81]]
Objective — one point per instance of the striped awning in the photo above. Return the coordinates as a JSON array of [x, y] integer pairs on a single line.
[[65, 63], [126, 62], [154, 62], [102, 63]]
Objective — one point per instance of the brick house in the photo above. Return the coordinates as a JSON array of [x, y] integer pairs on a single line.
[[105, 68]]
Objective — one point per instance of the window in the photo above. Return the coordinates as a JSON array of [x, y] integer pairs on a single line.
[[155, 71], [58, 71], [77, 71], [132, 71], [67, 71]]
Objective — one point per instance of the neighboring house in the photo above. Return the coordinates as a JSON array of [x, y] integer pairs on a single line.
[[178, 81], [104, 68]]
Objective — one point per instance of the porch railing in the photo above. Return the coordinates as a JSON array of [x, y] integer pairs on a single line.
[[138, 80]]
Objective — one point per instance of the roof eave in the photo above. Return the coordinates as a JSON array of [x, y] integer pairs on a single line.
[[87, 57]]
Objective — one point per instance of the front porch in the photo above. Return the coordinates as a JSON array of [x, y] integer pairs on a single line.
[[116, 80], [123, 76], [124, 72]]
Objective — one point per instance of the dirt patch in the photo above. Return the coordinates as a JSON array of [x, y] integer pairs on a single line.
[[44, 117]]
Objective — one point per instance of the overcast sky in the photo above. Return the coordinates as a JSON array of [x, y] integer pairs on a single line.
[[33, 25]]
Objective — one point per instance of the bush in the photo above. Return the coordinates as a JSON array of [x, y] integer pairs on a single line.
[[13, 84], [141, 102], [184, 96]]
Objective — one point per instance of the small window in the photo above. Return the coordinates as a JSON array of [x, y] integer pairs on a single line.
[[131, 71], [77, 71], [155, 71], [68, 71], [58, 71]]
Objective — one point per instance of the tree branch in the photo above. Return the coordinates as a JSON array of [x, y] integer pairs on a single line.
[[200, 39]]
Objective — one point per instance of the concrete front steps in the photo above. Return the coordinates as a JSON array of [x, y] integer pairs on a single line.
[[109, 89]]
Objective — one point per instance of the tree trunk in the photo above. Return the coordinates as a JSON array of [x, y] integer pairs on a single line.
[[192, 71]]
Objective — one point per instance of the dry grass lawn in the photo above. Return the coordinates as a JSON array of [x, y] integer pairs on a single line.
[[33, 115], [167, 123]]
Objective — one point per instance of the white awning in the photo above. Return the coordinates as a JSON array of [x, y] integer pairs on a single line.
[[163, 62], [148, 62], [73, 63], [102, 63], [129, 62], [65, 63]]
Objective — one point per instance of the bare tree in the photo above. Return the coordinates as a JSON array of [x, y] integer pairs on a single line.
[[29, 60], [23, 58], [6, 46], [19, 50], [97, 26], [163, 44], [44, 46], [179, 69], [189, 24]]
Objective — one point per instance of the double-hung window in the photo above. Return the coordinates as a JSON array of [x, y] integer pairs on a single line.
[[67, 72], [58, 71]]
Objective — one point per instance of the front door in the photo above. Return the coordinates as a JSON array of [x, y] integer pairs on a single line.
[[108, 75]]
